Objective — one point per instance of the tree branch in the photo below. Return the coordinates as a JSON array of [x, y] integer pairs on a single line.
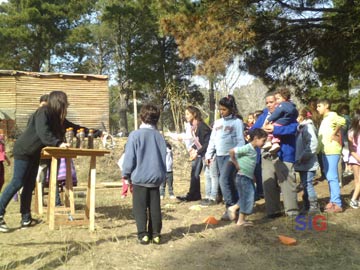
[[303, 8]]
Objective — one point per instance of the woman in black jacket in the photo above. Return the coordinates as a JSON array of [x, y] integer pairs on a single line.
[[45, 128], [200, 139]]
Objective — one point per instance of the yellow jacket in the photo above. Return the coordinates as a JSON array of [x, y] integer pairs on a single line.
[[328, 125]]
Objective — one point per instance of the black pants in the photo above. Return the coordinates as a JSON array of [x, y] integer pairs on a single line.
[[194, 191], [146, 206]]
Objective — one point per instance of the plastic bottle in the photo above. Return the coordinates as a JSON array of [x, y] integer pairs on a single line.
[[67, 136], [82, 138], [71, 136], [78, 138], [91, 139]]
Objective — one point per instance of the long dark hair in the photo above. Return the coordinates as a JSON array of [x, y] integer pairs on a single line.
[[355, 124], [57, 109], [195, 112], [230, 103]]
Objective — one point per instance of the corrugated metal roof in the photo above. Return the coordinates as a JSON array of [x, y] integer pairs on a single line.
[[51, 74]]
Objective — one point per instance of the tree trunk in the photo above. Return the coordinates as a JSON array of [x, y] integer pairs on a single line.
[[211, 101], [123, 123]]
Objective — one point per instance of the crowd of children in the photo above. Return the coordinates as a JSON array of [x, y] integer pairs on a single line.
[[231, 153]]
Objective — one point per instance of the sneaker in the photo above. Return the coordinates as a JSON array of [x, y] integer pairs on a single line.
[[208, 202], [274, 148], [161, 197], [354, 204], [29, 223], [156, 240], [267, 145], [334, 209], [3, 226], [145, 240], [172, 197], [123, 196], [292, 213]]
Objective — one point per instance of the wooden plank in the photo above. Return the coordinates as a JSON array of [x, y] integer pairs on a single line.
[[71, 152], [52, 191], [91, 204], [69, 192]]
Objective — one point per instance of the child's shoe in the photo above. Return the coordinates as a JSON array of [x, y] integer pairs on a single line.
[[3, 226], [267, 145], [274, 148], [156, 240], [123, 197], [145, 240], [161, 197], [354, 204], [172, 197]]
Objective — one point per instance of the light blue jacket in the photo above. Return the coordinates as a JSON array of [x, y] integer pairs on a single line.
[[227, 133]]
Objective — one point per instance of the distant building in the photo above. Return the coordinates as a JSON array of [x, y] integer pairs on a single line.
[[20, 92]]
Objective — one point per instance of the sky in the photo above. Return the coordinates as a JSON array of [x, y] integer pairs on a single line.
[[232, 79]]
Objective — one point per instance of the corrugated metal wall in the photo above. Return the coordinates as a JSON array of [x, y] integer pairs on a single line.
[[88, 97]]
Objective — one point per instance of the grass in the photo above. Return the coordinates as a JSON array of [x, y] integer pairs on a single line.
[[188, 243]]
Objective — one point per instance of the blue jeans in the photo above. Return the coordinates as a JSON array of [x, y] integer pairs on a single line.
[[331, 172], [307, 182], [227, 180], [211, 180], [246, 189], [169, 181], [25, 172]]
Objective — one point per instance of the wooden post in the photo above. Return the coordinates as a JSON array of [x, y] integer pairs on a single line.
[[135, 111], [52, 191]]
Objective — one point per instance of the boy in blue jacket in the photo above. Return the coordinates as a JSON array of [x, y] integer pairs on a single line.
[[145, 165]]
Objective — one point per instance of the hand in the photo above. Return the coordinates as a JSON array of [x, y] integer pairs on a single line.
[[269, 128], [64, 145], [8, 162], [192, 153], [336, 138]]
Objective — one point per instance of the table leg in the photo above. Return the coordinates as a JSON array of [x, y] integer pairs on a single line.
[[90, 197], [69, 191], [52, 192]]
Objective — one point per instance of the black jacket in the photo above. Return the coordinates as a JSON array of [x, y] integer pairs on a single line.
[[37, 135], [203, 132]]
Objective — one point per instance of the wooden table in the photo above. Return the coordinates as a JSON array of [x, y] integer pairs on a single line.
[[56, 153]]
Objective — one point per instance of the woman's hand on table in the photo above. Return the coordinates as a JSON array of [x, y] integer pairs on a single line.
[[64, 145]]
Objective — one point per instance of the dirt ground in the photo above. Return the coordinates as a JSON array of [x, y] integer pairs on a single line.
[[188, 243]]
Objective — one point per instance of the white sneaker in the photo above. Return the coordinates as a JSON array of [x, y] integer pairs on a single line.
[[172, 197], [267, 145], [274, 148], [354, 204], [161, 197], [3, 226]]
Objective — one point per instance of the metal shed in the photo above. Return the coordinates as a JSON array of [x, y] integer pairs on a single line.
[[20, 92]]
